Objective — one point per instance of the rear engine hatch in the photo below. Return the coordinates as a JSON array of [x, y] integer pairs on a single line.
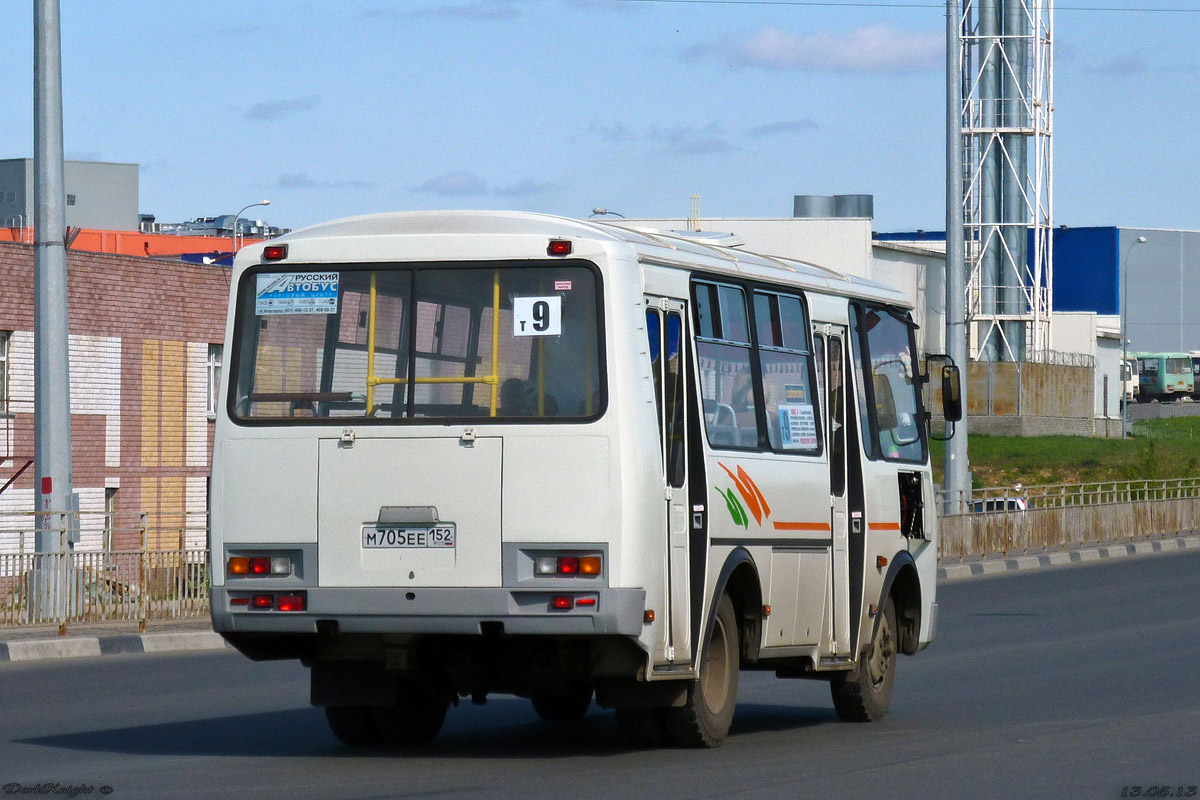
[[409, 512]]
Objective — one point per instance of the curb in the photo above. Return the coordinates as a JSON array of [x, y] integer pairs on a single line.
[[89, 646], [998, 566]]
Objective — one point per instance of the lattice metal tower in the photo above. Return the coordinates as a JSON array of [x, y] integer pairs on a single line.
[[1008, 161]]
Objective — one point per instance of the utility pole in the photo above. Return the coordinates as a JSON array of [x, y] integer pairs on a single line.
[[957, 470], [52, 383]]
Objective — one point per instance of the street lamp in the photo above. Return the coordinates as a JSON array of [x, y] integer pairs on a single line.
[[238, 216], [1124, 265], [602, 212]]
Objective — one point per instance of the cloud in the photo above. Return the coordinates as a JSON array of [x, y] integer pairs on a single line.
[[525, 188], [684, 140], [454, 184], [1120, 66], [477, 9], [613, 134], [782, 128], [301, 180], [875, 48], [278, 109]]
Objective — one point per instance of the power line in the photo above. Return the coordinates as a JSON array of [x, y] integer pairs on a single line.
[[868, 4]]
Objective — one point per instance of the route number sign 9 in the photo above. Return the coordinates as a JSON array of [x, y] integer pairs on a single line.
[[537, 316]]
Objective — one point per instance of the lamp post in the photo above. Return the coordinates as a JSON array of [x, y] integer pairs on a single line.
[[238, 216], [1124, 332], [602, 212]]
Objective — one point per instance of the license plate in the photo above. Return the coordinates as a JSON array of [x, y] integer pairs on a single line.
[[434, 537]]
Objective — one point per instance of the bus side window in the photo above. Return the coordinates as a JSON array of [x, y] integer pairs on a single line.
[[723, 361], [784, 356], [654, 333]]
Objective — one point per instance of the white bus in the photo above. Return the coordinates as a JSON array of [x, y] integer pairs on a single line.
[[473, 452]]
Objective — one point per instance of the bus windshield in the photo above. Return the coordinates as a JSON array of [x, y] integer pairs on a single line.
[[470, 341]]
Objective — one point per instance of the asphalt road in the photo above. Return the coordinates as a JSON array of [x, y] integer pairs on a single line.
[[1060, 683]]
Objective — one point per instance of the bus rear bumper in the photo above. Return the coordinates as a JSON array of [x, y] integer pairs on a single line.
[[436, 611]]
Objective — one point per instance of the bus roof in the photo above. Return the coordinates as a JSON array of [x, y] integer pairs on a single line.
[[665, 248]]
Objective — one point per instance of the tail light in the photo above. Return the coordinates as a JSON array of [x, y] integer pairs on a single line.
[[262, 601], [291, 602]]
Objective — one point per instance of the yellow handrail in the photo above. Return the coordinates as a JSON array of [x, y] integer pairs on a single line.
[[371, 351], [493, 378]]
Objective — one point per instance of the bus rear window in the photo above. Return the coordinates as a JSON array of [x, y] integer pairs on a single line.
[[435, 342]]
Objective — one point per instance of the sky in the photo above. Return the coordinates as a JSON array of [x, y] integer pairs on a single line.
[[333, 109]]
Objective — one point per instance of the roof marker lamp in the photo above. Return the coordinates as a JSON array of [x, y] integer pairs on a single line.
[[559, 247]]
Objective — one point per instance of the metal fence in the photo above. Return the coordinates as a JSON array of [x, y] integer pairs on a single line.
[[157, 570], [1016, 519]]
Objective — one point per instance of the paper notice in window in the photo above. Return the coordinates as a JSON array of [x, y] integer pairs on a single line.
[[798, 426]]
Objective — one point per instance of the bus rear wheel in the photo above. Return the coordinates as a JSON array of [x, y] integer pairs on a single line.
[[352, 725], [566, 705], [705, 718], [865, 694], [415, 719]]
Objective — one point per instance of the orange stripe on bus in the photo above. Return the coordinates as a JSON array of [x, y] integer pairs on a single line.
[[885, 526], [801, 526]]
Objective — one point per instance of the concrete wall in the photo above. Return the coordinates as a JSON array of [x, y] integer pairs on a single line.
[[140, 329], [105, 195], [1129, 513], [1024, 399]]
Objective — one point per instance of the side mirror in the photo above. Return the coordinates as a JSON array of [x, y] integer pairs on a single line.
[[952, 409], [885, 404]]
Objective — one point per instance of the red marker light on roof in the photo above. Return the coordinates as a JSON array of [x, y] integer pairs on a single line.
[[275, 252], [559, 247]]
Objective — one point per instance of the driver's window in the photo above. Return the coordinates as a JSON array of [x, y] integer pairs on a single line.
[[891, 375]]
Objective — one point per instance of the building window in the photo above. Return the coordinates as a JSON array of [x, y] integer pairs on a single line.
[[214, 378], [5, 336], [110, 510]]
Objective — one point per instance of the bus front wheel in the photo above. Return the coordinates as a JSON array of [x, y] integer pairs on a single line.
[[705, 718], [864, 694]]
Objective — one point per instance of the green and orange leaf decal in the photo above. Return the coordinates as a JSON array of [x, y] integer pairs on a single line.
[[735, 507], [750, 492]]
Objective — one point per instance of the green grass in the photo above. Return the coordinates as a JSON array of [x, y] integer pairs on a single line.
[[1163, 448]]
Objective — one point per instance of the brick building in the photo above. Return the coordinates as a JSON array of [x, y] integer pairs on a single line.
[[145, 350]]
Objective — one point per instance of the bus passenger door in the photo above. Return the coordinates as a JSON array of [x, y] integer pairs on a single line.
[[665, 321], [836, 393]]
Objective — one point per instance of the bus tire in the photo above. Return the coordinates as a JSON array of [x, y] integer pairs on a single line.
[[352, 725], [643, 727], [705, 718], [864, 694], [415, 719], [567, 705]]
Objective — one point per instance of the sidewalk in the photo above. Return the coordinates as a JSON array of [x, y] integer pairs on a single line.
[[107, 638], [169, 636], [961, 569]]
